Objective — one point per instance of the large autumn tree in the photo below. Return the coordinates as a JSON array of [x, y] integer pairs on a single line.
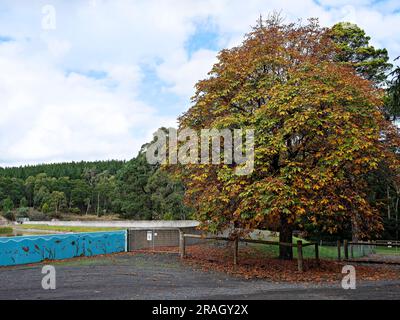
[[318, 132]]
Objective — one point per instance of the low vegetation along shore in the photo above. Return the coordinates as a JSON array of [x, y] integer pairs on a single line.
[[64, 228], [5, 230]]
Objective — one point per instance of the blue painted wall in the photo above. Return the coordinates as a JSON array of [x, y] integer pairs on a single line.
[[30, 249]]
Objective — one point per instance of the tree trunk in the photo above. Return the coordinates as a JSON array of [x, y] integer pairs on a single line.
[[98, 203], [285, 235], [87, 207], [355, 230], [396, 210], [388, 202], [397, 217]]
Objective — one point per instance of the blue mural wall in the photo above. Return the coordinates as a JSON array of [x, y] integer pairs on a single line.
[[30, 249]]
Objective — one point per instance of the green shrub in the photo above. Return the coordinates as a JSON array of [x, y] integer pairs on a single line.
[[75, 210], [45, 208], [23, 203], [7, 204], [9, 216], [37, 216], [168, 216], [22, 212]]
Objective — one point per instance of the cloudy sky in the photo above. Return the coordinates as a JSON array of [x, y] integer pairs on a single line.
[[93, 79]]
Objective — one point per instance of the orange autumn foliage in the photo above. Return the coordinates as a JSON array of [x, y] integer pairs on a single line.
[[319, 130]]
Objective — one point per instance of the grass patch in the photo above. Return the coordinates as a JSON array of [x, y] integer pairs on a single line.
[[387, 251], [6, 230], [66, 228], [325, 252]]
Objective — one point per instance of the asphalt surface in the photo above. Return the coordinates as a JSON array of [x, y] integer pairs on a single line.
[[163, 276]]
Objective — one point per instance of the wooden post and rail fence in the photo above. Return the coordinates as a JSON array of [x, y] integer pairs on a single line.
[[299, 245], [351, 244]]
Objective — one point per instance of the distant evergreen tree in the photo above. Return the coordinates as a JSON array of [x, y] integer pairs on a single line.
[[393, 100], [355, 49]]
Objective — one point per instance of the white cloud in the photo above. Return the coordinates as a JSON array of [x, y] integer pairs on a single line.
[[50, 116], [340, 3], [182, 72], [54, 109]]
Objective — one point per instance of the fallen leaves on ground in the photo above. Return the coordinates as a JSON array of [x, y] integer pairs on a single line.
[[254, 264]]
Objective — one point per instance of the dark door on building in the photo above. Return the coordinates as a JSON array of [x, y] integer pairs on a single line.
[[141, 239], [151, 239]]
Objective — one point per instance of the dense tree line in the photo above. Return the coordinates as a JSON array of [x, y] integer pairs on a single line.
[[149, 192], [133, 189], [73, 170]]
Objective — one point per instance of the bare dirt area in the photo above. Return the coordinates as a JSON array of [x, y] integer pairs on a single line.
[[165, 276]]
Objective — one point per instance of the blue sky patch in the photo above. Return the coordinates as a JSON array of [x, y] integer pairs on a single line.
[[5, 39], [205, 37], [154, 91]]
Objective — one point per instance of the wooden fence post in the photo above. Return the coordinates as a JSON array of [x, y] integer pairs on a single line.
[[317, 252], [346, 249], [182, 248], [235, 251], [338, 252], [300, 255]]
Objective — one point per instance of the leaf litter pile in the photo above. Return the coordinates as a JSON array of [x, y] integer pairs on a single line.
[[255, 264]]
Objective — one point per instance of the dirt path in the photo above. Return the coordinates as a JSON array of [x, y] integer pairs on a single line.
[[162, 276]]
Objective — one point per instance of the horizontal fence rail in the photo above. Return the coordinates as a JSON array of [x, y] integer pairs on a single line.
[[376, 243], [32, 249], [198, 236]]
